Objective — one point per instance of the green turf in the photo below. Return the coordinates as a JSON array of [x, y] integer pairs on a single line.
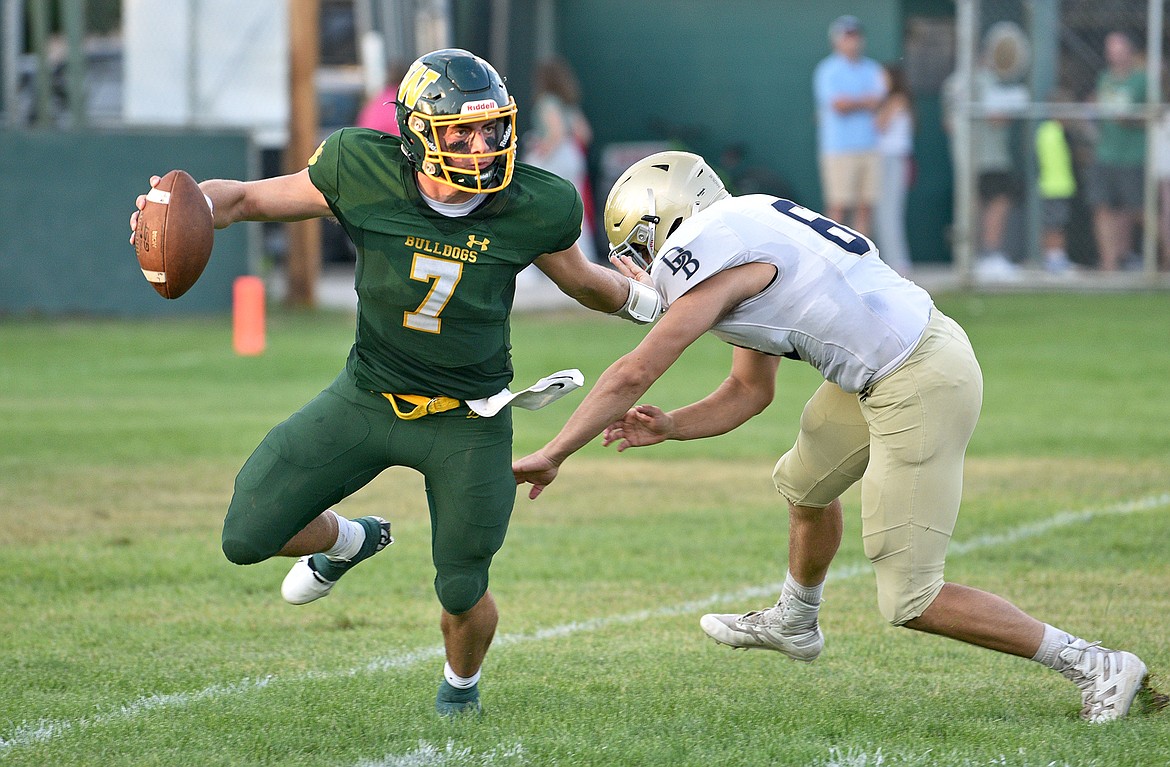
[[129, 640]]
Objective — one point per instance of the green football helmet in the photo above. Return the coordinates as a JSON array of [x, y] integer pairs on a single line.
[[653, 197], [454, 87]]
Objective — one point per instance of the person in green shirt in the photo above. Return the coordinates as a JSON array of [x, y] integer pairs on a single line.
[[1116, 182], [443, 219]]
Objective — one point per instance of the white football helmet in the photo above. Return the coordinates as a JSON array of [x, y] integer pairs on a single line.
[[653, 197]]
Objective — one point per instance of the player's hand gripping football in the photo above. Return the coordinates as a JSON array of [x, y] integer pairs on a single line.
[[139, 204], [642, 425]]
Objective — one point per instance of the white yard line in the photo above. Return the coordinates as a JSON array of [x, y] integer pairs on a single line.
[[44, 730], [428, 755]]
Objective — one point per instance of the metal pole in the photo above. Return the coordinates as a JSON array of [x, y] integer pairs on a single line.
[[1153, 99], [38, 12], [73, 19], [546, 35], [1043, 34], [11, 32], [398, 27], [501, 10], [193, 11], [966, 16]]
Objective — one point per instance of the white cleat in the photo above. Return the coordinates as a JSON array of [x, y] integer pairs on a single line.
[[314, 576], [771, 629], [1109, 680], [303, 584]]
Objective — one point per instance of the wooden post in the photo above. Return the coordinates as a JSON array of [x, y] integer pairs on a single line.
[[303, 264]]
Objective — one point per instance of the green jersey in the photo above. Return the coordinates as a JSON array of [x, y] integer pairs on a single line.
[[1122, 143], [435, 293]]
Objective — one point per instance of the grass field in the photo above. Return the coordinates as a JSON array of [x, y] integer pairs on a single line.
[[128, 639]]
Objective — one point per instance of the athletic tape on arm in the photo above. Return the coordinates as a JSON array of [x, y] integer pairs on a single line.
[[643, 305]]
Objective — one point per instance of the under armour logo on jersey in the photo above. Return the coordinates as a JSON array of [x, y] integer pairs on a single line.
[[473, 242], [679, 260]]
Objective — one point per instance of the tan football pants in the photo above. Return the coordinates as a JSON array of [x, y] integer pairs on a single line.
[[904, 439]]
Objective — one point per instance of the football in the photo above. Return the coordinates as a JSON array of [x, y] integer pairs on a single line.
[[174, 234]]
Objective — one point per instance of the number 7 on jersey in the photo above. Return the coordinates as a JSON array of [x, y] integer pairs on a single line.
[[445, 276]]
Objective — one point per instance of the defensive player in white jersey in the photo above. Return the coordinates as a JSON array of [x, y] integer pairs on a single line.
[[900, 400]]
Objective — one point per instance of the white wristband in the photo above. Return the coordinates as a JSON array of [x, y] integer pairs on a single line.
[[210, 204], [643, 304]]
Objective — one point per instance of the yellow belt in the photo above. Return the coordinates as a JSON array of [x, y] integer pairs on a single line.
[[422, 405]]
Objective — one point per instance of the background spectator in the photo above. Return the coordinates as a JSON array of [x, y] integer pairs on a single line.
[[1115, 186], [560, 136], [1057, 184], [895, 125], [994, 88], [379, 111], [848, 87]]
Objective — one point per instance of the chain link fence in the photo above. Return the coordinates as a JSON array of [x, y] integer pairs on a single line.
[[1060, 142]]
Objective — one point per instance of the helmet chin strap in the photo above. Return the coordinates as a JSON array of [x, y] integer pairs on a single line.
[[651, 217], [650, 226]]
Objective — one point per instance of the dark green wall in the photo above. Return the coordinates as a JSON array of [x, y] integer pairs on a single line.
[[719, 73], [68, 196], [714, 73]]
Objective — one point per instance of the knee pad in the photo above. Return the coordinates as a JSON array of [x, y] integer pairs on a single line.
[[460, 589], [244, 544], [242, 552], [900, 606]]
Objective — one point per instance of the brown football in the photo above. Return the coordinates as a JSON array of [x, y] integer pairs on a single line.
[[174, 235]]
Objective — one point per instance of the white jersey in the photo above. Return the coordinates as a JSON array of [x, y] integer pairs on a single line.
[[833, 304]]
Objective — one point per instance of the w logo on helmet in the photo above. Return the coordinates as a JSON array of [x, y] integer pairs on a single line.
[[473, 243], [415, 82]]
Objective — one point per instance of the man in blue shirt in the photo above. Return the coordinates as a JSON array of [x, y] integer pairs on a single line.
[[848, 88]]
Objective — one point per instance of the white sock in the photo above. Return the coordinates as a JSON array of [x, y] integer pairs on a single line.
[[350, 537], [810, 595], [459, 682], [1053, 642]]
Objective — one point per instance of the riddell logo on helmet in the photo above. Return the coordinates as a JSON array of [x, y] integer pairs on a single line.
[[471, 107]]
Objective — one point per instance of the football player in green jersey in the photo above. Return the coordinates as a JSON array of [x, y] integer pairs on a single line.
[[443, 220]]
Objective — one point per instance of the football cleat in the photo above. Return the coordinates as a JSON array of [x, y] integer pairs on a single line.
[[789, 628], [451, 701], [314, 576], [1109, 680]]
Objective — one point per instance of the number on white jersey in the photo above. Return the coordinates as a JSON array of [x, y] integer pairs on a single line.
[[836, 233], [446, 275]]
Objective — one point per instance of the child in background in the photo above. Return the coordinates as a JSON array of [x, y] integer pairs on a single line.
[[1057, 184]]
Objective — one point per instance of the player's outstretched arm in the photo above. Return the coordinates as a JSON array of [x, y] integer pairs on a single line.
[[746, 391], [536, 470], [627, 379], [283, 198], [589, 284]]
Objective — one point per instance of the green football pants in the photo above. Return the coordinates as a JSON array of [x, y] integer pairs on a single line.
[[346, 436]]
